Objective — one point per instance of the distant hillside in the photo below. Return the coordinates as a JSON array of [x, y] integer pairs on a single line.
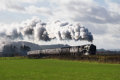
[[101, 49], [108, 52]]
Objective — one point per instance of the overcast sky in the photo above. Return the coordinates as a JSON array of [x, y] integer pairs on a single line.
[[101, 17]]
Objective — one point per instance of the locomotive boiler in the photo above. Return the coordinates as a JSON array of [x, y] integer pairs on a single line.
[[88, 49]]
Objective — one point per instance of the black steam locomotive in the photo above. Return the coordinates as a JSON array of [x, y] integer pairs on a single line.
[[88, 49]]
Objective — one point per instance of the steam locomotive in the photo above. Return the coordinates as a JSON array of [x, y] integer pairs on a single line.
[[88, 49]]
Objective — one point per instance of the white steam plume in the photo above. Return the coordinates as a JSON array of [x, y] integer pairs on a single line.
[[36, 30]]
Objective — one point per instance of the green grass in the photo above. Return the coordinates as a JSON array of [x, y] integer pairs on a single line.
[[52, 69]]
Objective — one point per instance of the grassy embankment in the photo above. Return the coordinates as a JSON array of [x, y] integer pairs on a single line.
[[53, 69]]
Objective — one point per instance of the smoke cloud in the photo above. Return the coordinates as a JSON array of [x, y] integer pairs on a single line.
[[34, 29]]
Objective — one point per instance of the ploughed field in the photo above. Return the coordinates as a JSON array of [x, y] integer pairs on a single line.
[[54, 69]]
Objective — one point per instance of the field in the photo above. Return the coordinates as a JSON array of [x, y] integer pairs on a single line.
[[54, 69]]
